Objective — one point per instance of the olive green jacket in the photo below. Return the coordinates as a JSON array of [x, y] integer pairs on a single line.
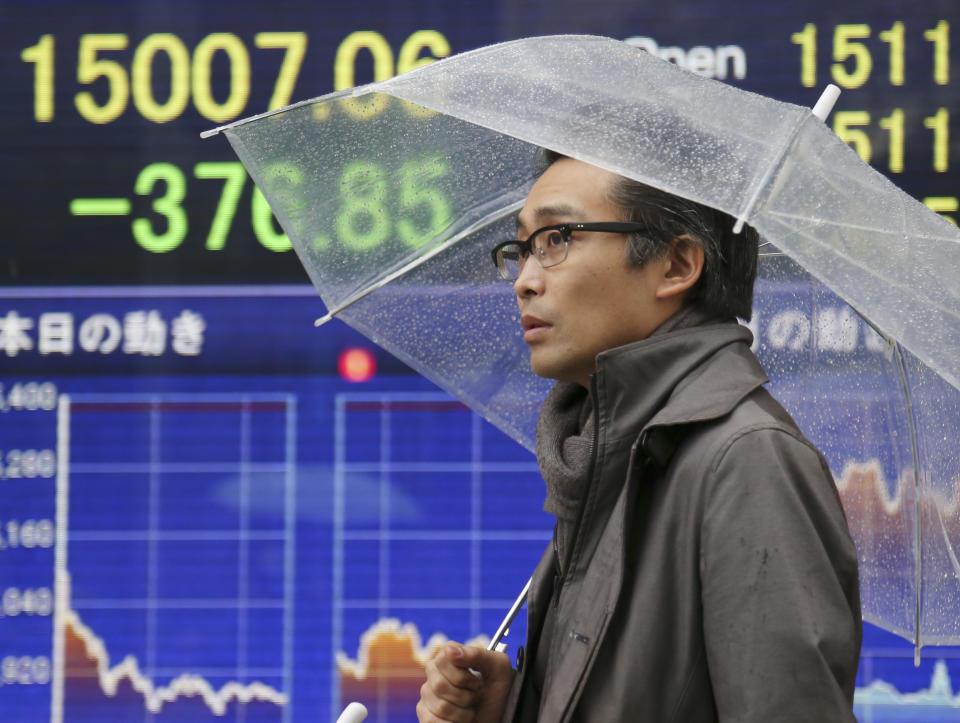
[[712, 576]]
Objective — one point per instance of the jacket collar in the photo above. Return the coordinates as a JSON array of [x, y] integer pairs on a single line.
[[681, 377]]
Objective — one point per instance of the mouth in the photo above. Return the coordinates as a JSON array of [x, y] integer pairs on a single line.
[[533, 326]]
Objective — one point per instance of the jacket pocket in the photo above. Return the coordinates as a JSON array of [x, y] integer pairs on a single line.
[[572, 657]]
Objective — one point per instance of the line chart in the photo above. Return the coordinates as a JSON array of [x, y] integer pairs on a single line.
[[207, 630], [421, 541], [82, 644]]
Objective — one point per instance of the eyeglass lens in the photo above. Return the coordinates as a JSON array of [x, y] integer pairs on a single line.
[[548, 245]]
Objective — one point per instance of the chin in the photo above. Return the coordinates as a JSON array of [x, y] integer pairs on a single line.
[[553, 369], [543, 369]]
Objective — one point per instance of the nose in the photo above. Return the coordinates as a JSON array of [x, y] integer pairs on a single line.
[[530, 280]]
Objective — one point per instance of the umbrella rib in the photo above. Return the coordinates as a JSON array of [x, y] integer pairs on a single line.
[[949, 546], [276, 111], [420, 260], [918, 539], [772, 170], [905, 288], [858, 227]]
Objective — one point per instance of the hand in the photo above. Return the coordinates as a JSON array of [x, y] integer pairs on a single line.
[[454, 694]]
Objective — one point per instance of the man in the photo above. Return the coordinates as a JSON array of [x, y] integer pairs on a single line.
[[701, 568]]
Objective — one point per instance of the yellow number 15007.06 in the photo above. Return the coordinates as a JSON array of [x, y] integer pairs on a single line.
[[219, 99]]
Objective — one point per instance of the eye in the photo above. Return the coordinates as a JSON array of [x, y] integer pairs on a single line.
[[552, 239]]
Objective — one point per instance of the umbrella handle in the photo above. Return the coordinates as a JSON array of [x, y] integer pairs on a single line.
[[498, 636]]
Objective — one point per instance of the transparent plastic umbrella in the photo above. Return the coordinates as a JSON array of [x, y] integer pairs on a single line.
[[393, 193]]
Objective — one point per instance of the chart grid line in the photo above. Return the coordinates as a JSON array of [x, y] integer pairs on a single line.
[[61, 580], [174, 467], [153, 515], [476, 509], [243, 551], [383, 589], [172, 536], [383, 573], [430, 603], [439, 466], [450, 535], [176, 604], [336, 632], [289, 551]]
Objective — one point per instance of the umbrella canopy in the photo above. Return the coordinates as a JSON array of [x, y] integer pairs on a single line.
[[393, 193]]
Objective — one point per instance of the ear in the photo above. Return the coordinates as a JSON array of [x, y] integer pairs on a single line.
[[682, 267]]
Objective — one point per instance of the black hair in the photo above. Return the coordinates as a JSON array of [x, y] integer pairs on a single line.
[[725, 286]]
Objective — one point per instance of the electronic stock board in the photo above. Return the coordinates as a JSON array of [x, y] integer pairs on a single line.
[[210, 510]]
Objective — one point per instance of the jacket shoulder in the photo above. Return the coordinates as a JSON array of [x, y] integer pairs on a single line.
[[757, 443], [757, 412]]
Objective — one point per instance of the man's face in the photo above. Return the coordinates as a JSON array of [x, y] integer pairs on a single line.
[[594, 300]]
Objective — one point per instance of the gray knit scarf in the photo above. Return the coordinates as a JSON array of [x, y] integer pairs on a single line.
[[565, 439]]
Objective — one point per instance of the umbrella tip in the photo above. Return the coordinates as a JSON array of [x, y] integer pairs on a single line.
[[826, 102], [323, 320]]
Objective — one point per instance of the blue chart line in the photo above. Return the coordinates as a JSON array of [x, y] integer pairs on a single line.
[[191, 499]]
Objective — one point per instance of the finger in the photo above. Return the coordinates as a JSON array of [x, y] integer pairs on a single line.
[[432, 708], [424, 715], [453, 665], [491, 664], [444, 689]]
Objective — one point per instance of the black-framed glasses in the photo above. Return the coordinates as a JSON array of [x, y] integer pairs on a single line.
[[548, 245]]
